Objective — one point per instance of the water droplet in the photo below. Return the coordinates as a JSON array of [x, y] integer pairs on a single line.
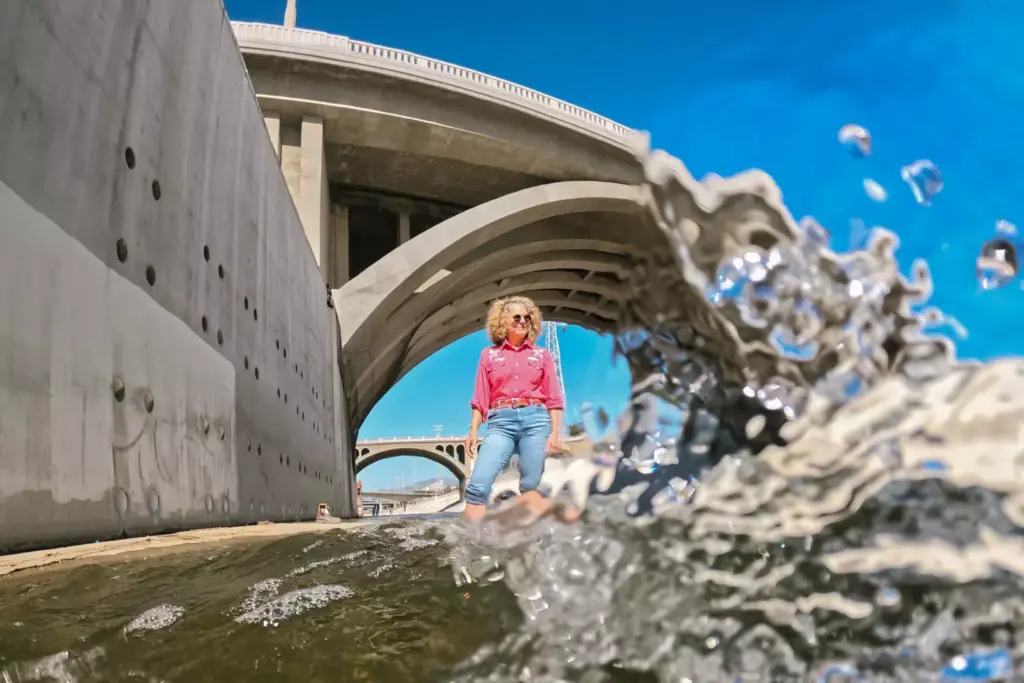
[[925, 180], [857, 139], [888, 598], [996, 265], [875, 191], [1005, 227]]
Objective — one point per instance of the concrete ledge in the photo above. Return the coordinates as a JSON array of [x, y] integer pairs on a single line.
[[153, 546]]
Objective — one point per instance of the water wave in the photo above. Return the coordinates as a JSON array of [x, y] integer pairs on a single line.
[[807, 483]]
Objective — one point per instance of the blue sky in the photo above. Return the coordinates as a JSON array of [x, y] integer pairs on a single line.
[[731, 86]]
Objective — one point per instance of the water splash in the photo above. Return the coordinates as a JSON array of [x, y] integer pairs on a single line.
[[857, 139], [996, 265], [155, 619], [858, 492], [875, 191], [924, 179]]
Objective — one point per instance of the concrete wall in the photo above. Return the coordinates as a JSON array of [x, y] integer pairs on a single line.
[[153, 275]]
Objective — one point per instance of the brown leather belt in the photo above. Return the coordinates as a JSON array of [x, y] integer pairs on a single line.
[[515, 403]]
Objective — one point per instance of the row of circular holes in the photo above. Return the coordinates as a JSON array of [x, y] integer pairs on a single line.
[[149, 404], [122, 256], [286, 460]]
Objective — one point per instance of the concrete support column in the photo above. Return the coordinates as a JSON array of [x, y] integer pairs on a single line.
[[340, 246], [403, 228], [312, 201], [273, 121]]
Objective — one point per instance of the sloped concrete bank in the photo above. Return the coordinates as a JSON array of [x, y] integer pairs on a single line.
[[167, 356]]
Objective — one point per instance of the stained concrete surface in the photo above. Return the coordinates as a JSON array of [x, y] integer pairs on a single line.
[[153, 275]]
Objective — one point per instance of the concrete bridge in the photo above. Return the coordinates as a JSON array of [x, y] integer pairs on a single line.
[[239, 236], [427, 189], [448, 451]]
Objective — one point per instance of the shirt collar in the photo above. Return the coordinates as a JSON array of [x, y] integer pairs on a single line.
[[505, 344]]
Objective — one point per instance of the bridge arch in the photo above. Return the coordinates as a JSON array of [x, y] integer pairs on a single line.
[[568, 244], [450, 456]]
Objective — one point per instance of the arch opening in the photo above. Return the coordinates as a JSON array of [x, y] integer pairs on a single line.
[[446, 461], [569, 245]]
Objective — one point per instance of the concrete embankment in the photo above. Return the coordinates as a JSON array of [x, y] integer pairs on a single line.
[[165, 544], [169, 358]]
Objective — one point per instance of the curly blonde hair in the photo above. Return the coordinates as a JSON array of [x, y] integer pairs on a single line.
[[496, 326]]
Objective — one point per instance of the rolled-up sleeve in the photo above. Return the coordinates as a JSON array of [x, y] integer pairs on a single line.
[[553, 398], [481, 388]]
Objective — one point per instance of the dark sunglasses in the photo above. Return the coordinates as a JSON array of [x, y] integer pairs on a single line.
[[522, 318]]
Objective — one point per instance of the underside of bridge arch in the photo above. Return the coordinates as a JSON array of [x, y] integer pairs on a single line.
[[568, 246], [447, 461]]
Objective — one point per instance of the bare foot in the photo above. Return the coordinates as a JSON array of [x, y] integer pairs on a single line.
[[531, 506]]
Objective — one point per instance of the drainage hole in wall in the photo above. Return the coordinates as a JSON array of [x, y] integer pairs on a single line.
[[220, 431], [122, 250], [302, 375], [248, 445], [151, 275], [204, 323], [288, 461], [220, 338], [206, 252], [245, 301], [118, 388], [259, 449], [220, 271], [303, 415], [255, 314], [257, 373], [129, 157], [286, 398], [296, 410], [147, 401], [277, 343], [280, 458], [156, 190], [285, 352], [245, 362]]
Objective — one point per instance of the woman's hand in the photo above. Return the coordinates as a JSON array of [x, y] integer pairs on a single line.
[[554, 445], [472, 441]]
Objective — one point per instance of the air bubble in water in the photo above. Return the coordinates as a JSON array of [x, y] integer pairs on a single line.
[[996, 265], [856, 138], [925, 180], [875, 191]]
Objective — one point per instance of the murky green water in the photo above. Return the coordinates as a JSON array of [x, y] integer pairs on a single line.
[[372, 604]]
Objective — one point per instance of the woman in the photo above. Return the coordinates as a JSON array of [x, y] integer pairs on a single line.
[[518, 394]]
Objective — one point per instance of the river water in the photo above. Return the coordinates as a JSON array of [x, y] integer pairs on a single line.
[[377, 603], [807, 485]]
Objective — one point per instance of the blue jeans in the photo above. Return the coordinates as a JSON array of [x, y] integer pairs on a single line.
[[522, 430]]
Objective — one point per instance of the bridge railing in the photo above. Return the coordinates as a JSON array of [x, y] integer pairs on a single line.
[[409, 439], [342, 48], [420, 439]]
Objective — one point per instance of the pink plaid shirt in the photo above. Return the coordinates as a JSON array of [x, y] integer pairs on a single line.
[[506, 372]]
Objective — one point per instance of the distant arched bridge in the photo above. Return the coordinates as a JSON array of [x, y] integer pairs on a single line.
[[447, 451]]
